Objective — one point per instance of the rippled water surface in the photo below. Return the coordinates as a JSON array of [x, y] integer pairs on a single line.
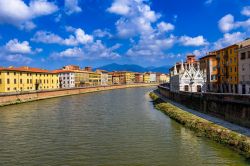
[[110, 128]]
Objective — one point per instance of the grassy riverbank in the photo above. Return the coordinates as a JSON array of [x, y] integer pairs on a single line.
[[204, 127]]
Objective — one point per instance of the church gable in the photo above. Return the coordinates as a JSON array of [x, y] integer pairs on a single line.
[[198, 75]]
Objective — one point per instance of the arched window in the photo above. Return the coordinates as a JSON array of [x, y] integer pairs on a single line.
[[186, 88], [198, 88]]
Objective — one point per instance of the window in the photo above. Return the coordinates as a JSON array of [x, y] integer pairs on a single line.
[[21, 81], [21, 74], [28, 81], [243, 67], [248, 54], [235, 69], [14, 73], [14, 81], [8, 89], [186, 88], [8, 73], [8, 81], [198, 88], [243, 56], [14, 88], [31, 81], [0, 81]]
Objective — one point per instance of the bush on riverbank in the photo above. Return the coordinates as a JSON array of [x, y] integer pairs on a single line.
[[204, 127]]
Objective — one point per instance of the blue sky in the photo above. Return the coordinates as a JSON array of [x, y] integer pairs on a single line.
[[53, 33]]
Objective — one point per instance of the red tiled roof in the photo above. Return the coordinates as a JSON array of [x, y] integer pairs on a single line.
[[25, 69]]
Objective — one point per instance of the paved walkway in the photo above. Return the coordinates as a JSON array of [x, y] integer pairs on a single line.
[[226, 124]]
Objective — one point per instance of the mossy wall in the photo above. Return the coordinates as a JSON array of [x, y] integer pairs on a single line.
[[204, 127], [231, 107]]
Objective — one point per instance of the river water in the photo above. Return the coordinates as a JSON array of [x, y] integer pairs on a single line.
[[110, 128]]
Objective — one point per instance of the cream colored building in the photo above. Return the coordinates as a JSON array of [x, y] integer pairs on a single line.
[[244, 70]]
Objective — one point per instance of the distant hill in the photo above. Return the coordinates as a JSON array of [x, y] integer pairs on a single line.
[[134, 68]]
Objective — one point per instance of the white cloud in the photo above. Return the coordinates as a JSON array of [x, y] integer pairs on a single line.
[[246, 11], [71, 6], [227, 23], [14, 46], [16, 58], [165, 27], [229, 39], [95, 50], [120, 7], [136, 17], [193, 41], [46, 37], [82, 37], [17, 13], [70, 53], [151, 46], [102, 33], [79, 37]]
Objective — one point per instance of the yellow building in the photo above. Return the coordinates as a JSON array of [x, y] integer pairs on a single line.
[[228, 69], [94, 78], [129, 77], [146, 78], [27, 79]]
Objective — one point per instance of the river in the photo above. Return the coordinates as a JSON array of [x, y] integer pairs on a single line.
[[109, 128]]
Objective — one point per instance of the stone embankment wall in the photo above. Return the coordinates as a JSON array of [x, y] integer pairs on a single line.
[[234, 108], [203, 127], [15, 98]]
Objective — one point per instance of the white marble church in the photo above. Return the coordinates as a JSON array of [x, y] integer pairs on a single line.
[[188, 78]]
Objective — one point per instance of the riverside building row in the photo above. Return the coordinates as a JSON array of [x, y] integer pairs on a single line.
[[226, 70], [18, 79]]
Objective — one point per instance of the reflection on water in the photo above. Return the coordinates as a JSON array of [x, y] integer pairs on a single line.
[[118, 127]]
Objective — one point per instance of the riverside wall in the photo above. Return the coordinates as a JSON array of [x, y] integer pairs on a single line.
[[21, 97], [234, 108]]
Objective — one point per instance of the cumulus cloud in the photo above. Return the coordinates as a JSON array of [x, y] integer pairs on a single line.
[[102, 33], [229, 39], [79, 37], [16, 51], [120, 7], [193, 41], [95, 50], [151, 46], [136, 17], [246, 11], [71, 6], [18, 13], [165, 27], [227, 23], [16, 58], [14, 46]]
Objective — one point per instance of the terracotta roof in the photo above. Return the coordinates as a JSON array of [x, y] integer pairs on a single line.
[[26, 69]]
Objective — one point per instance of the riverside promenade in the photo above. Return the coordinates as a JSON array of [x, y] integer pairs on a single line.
[[231, 126], [22, 97]]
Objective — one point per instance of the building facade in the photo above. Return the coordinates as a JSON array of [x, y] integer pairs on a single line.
[[208, 66], [66, 78], [244, 70], [146, 77], [138, 78], [152, 77], [188, 78], [20, 79]]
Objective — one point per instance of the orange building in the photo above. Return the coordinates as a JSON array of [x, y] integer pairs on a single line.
[[208, 66]]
